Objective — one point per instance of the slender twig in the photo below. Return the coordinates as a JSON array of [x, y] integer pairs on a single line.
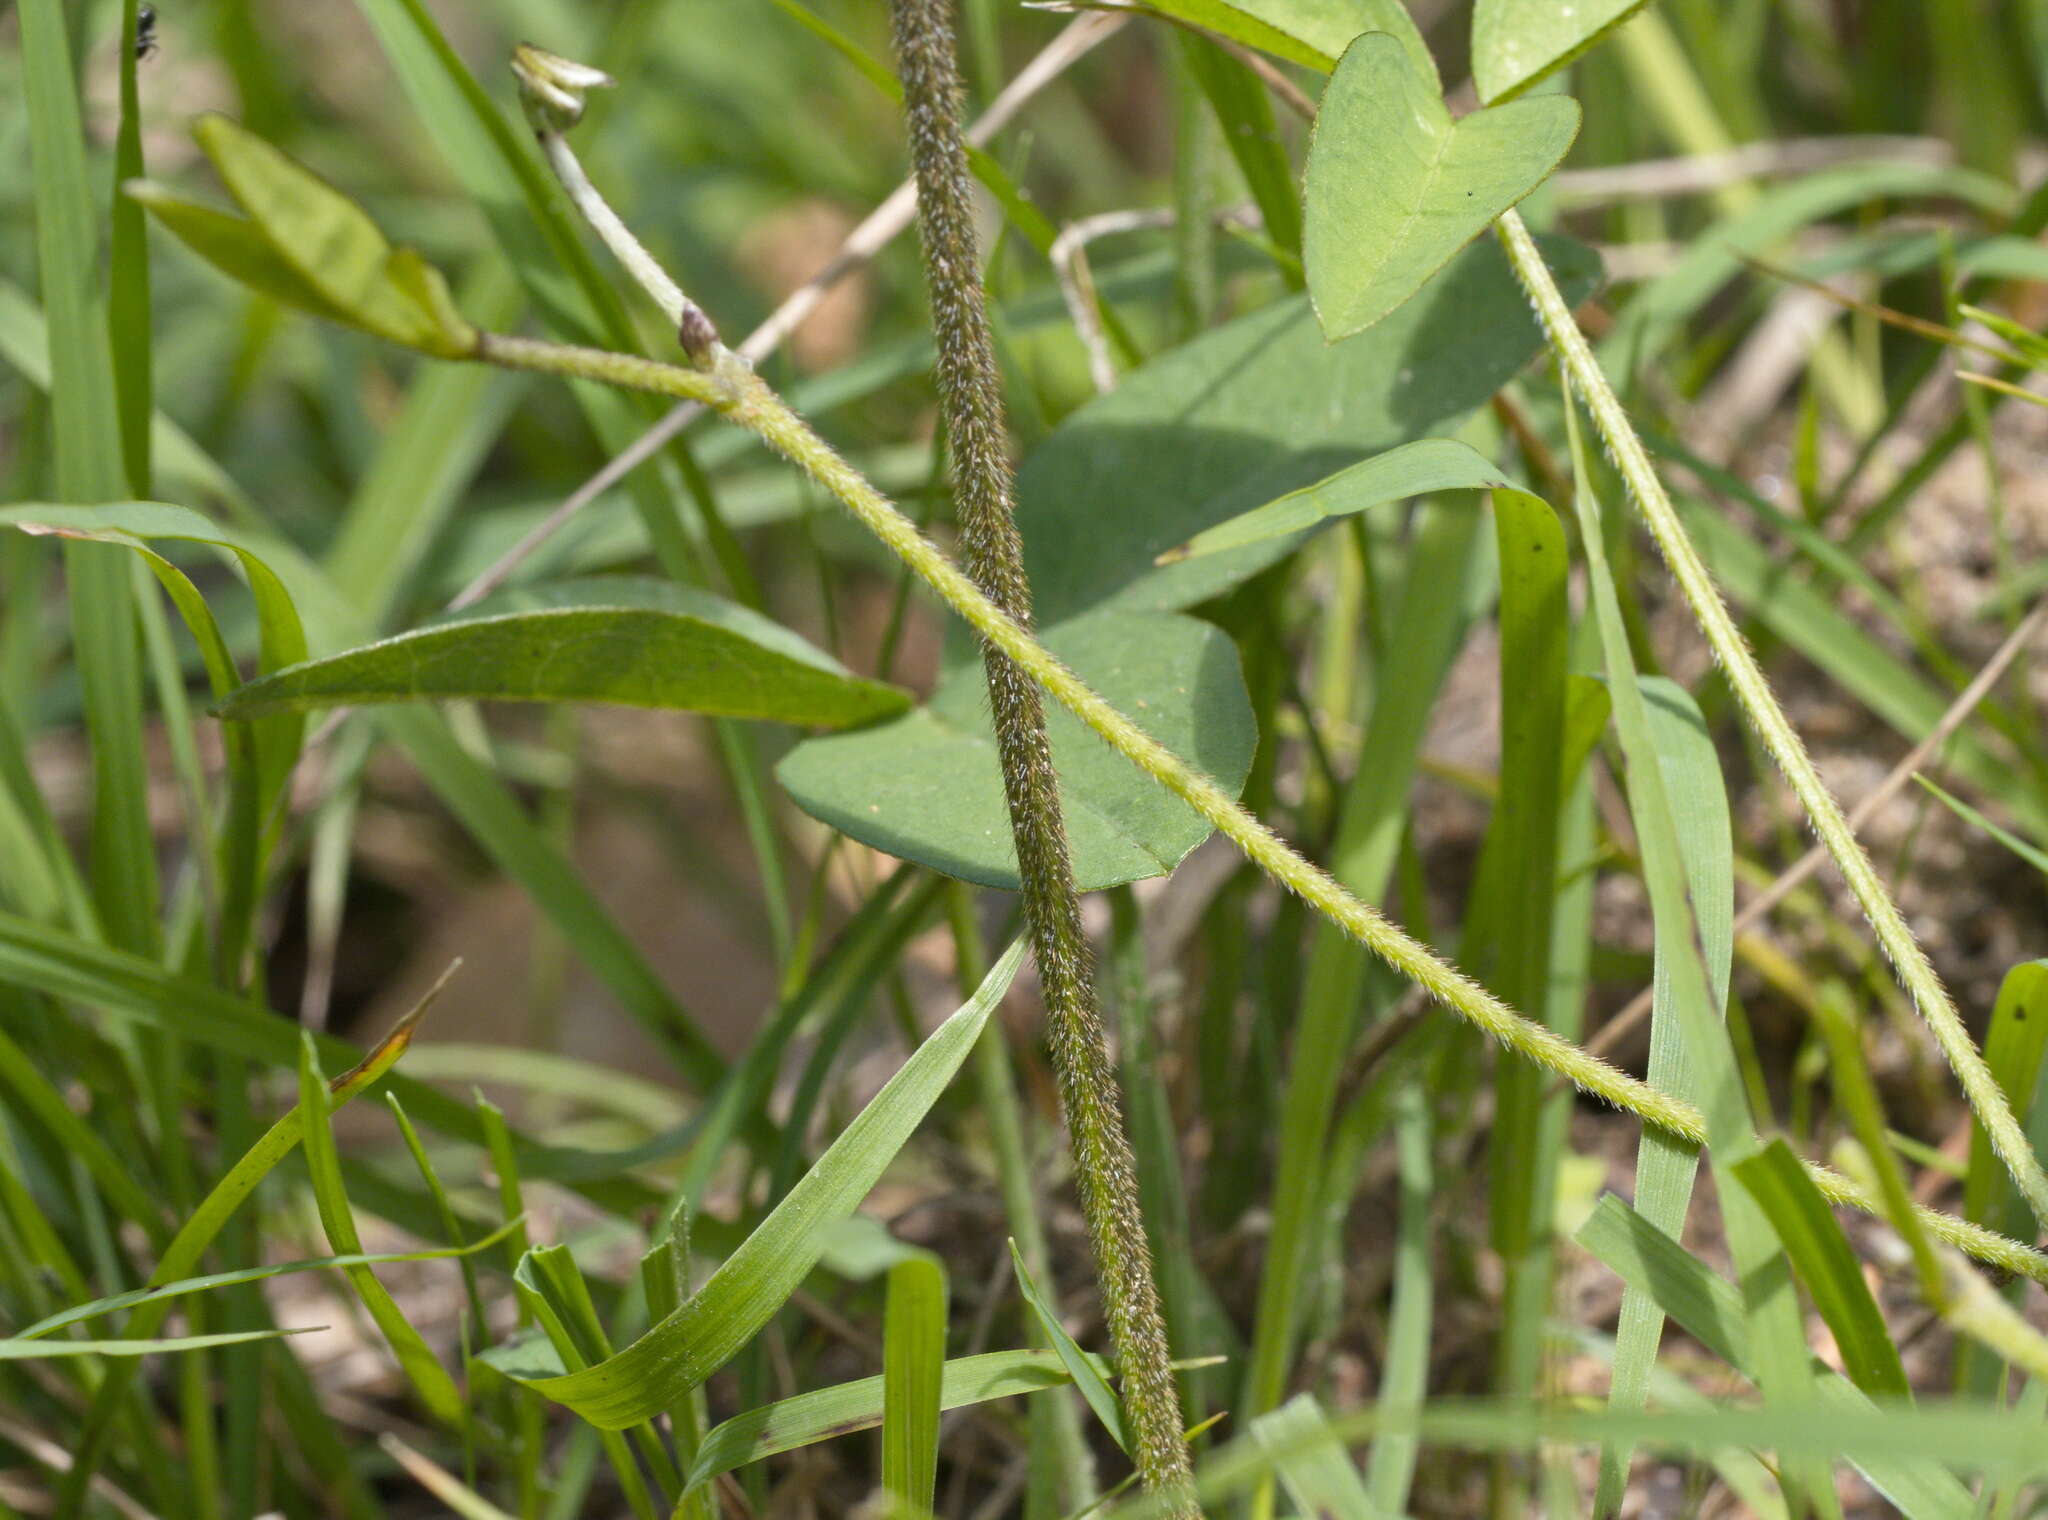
[[876, 232], [971, 401], [747, 401], [1703, 173], [1901, 775], [1753, 692], [1069, 259]]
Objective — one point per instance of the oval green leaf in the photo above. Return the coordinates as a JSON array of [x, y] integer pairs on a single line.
[[928, 788], [1396, 186], [310, 246], [625, 640], [1257, 408], [1517, 43]]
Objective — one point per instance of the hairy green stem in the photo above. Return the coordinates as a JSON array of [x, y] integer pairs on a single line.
[[1753, 691], [970, 395], [743, 398]]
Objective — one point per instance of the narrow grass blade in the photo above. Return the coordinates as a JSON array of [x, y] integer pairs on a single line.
[[1313, 1465], [847, 1408], [1435, 611], [119, 1301], [33, 1351], [1712, 1311], [1404, 1381], [754, 1282], [1421, 468], [1517, 900], [1677, 927], [429, 1378], [1080, 1367], [85, 419], [913, 1369], [1828, 1266]]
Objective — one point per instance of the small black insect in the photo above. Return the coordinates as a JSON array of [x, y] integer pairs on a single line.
[[145, 32]]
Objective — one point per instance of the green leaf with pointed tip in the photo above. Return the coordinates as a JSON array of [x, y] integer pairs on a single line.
[[1257, 408], [234, 245], [1080, 1366], [1827, 1264], [30, 1351], [1414, 469], [308, 245], [1396, 186], [928, 788], [625, 640], [753, 1283], [846, 1408], [1516, 43]]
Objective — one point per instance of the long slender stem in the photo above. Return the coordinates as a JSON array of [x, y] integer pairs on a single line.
[[970, 394], [1747, 681], [745, 399]]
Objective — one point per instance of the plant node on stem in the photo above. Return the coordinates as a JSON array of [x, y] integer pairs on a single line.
[[970, 392]]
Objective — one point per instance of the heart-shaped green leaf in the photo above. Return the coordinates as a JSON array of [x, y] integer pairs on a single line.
[[304, 243], [617, 639], [927, 787], [1396, 186], [1517, 43], [1259, 407]]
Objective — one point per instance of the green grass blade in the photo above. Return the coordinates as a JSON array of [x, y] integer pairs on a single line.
[[1312, 1464], [845, 1408], [429, 1378], [1827, 1264], [1678, 930], [119, 1301], [913, 1369], [1520, 877], [85, 419], [754, 1282], [1434, 613], [128, 306], [1712, 1311], [32, 1351], [1080, 1367], [1404, 1381]]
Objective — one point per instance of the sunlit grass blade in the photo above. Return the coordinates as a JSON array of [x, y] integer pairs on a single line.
[[2036, 858]]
